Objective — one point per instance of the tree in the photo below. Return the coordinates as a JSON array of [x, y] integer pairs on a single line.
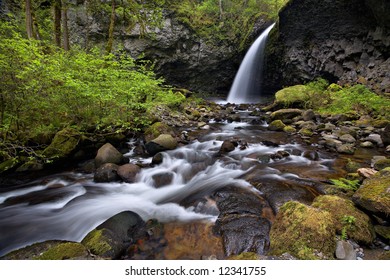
[[29, 20], [57, 22], [111, 28], [65, 29]]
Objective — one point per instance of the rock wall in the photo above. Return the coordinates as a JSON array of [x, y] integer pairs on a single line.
[[344, 41], [181, 57]]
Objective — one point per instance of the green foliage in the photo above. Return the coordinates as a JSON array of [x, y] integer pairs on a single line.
[[346, 184], [231, 20], [348, 224], [44, 89]]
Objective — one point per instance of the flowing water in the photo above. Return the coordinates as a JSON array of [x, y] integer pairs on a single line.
[[246, 87], [67, 206]]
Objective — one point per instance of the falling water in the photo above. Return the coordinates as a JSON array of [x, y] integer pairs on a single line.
[[246, 87]]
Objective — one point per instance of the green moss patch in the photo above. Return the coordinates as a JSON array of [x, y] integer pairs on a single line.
[[303, 231], [361, 230], [97, 242], [64, 251], [63, 144]]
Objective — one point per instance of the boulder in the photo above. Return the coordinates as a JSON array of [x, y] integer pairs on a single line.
[[385, 135], [345, 251], [108, 154], [285, 114], [361, 230], [374, 194], [162, 143], [106, 173], [162, 179], [128, 172], [227, 146], [276, 125], [111, 238], [64, 144], [156, 129], [303, 231]]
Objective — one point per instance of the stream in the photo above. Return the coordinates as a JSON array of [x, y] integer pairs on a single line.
[[66, 206]]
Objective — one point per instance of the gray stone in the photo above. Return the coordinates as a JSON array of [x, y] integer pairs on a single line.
[[345, 251], [367, 144], [108, 154], [107, 172], [128, 172], [374, 138], [348, 138]]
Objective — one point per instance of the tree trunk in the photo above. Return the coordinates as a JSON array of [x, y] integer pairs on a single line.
[[29, 20], [220, 9], [57, 22], [111, 29], [65, 30]]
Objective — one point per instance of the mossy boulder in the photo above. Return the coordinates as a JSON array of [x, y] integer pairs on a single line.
[[382, 164], [383, 231], [374, 194], [50, 250], [361, 230], [108, 154], [276, 125], [162, 143], [111, 238], [64, 144], [8, 164], [306, 132], [284, 114], [289, 129], [303, 231], [245, 256], [156, 129], [296, 96]]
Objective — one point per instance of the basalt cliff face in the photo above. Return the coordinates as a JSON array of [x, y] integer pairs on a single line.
[[182, 57], [342, 41]]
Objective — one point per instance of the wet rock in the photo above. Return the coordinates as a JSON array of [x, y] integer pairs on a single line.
[[286, 114], [108, 172], [381, 163], [374, 194], [306, 132], [289, 129], [385, 135], [161, 143], [374, 138], [128, 172], [312, 155], [50, 250], [32, 165], [111, 238], [388, 149], [367, 145], [345, 251], [308, 115], [303, 231], [108, 154], [361, 230], [227, 146], [158, 158], [162, 179], [276, 125], [383, 231]]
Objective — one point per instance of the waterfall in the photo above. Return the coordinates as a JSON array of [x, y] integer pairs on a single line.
[[246, 87]]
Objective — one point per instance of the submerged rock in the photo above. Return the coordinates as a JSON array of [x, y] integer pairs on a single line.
[[108, 172]]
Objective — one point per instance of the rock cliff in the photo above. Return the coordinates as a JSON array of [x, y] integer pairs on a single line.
[[342, 41]]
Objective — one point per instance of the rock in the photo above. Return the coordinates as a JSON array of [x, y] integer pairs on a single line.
[[108, 154], [303, 231], [156, 129], [374, 194], [374, 138], [312, 155], [366, 172], [388, 149], [65, 143], [276, 125], [157, 159], [111, 238], [383, 231], [348, 138], [289, 129], [128, 172], [162, 179], [306, 132], [293, 96], [32, 165], [345, 251], [162, 143], [108, 172], [382, 163], [361, 230], [309, 115], [385, 135], [50, 250], [227, 146], [285, 114], [367, 145], [346, 149]]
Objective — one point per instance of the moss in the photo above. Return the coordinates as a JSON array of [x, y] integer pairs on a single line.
[[382, 164], [383, 231], [304, 232], [155, 130], [360, 231], [64, 251], [306, 132], [289, 129], [276, 125], [374, 194], [245, 256], [97, 242], [380, 123], [294, 95], [8, 164], [63, 144]]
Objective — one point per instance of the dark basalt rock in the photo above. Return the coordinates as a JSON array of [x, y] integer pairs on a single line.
[[342, 41]]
